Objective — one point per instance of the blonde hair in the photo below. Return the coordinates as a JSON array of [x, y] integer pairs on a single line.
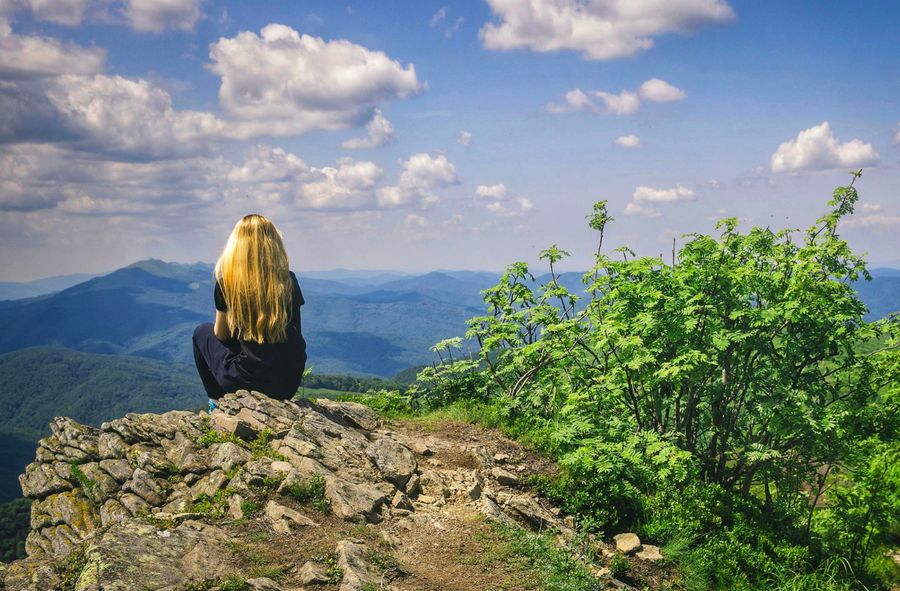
[[255, 279]]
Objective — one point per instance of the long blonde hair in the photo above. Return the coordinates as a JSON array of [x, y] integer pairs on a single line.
[[254, 275]]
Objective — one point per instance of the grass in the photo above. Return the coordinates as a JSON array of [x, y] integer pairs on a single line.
[[310, 491]]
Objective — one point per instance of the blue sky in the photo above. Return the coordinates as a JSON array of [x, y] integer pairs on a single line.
[[423, 135]]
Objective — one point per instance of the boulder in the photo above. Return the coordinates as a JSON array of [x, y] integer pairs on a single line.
[[627, 543], [394, 460]]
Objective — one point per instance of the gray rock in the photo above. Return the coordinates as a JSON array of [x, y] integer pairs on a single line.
[[357, 572], [111, 446], [312, 573], [119, 469], [262, 584], [394, 460], [40, 480], [144, 486], [504, 477], [401, 501], [229, 425], [354, 502], [276, 512], [235, 506], [112, 512], [650, 553], [134, 504], [226, 456]]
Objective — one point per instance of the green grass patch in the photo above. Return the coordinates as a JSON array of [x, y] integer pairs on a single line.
[[310, 491]]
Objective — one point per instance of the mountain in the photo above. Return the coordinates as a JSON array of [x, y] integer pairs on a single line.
[[40, 383], [150, 309], [882, 294], [10, 290]]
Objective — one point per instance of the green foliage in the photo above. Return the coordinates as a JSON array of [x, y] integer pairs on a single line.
[[618, 566], [87, 484], [215, 506], [345, 383], [310, 491], [15, 519], [70, 568], [260, 447], [211, 436], [233, 584], [733, 400]]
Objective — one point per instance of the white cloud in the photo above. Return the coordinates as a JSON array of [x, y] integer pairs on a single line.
[[660, 91], [464, 137], [872, 220], [438, 17], [160, 15], [635, 209], [870, 207], [453, 29], [629, 141], [23, 56], [281, 82], [116, 115], [380, 132], [497, 192], [421, 175], [501, 203], [348, 186], [816, 149], [600, 29], [265, 164], [896, 139], [644, 194], [624, 103], [62, 12]]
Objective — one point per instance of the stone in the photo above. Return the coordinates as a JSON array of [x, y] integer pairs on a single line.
[[226, 456], [432, 484], [111, 446], [235, 508], [276, 512], [134, 504], [354, 502], [627, 543], [474, 490], [112, 512], [262, 584], [394, 460], [312, 573], [358, 573], [41, 480], [504, 477], [229, 425], [413, 485], [352, 414], [144, 486], [119, 469], [422, 449], [401, 501], [650, 552], [501, 458]]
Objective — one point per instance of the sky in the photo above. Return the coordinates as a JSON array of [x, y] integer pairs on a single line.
[[418, 135]]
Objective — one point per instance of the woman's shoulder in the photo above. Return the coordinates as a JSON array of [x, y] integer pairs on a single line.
[[298, 293]]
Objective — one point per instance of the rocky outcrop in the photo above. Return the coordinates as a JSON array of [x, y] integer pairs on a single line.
[[150, 501]]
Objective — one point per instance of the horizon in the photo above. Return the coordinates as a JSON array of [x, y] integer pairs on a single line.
[[435, 136]]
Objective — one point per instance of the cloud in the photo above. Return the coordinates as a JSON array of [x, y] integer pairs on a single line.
[[157, 16], [635, 209], [660, 91], [24, 57], [464, 138], [816, 149], [129, 118], [644, 194], [61, 12], [624, 103], [421, 175], [283, 83], [500, 201], [497, 192], [438, 17], [598, 30], [629, 141], [896, 139], [872, 220], [380, 132]]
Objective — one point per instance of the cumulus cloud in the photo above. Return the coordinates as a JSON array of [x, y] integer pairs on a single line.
[[500, 202], [61, 12], [464, 138], [660, 91], [132, 118], [281, 82], [23, 56], [379, 133], [598, 30], [624, 103], [872, 220], [420, 176], [817, 149], [644, 194], [642, 210], [629, 141], [159, 15]]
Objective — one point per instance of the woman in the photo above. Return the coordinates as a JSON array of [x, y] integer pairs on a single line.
[[256, 342]]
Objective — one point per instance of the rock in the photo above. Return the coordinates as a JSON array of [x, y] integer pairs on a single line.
[[357, 572], [501, 458], [504, 477], [276, 512], [650, 552], [41, 480], [414, 485], [119, 469], [144, 486], [312, 573], [229, 425], [112, 512], [627, 543], [474, 491], [352, 414], [432, 484], [235, 509], [394, 460], [134, 504], [262, 584], [226, 456], [422, 449], [111, 446], [401, 501], [354, 502]]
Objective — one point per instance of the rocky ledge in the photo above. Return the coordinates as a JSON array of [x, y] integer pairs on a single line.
[[176, 501]]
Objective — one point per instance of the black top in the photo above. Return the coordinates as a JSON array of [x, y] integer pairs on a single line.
[[263, 357]]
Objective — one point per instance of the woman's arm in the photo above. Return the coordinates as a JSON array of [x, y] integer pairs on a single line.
[[221, 328]]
